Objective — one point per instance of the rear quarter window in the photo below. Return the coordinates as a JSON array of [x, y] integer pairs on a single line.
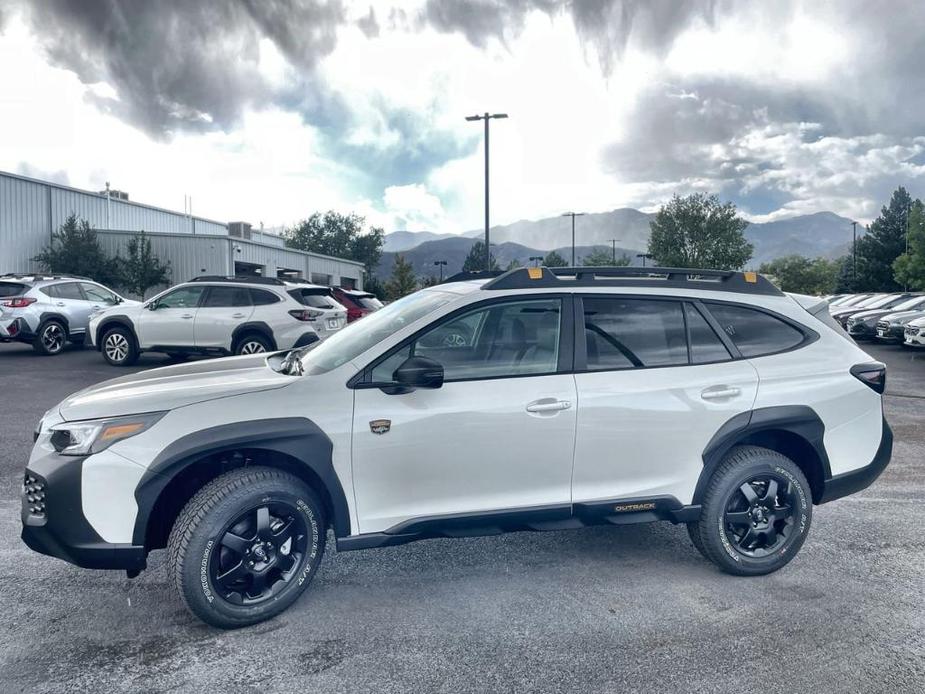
[[261, 297], [754, 332]]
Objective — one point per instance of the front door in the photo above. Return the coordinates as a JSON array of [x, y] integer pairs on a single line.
[[498, 436], [170, 321]]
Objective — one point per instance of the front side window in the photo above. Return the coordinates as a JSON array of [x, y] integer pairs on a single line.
[[633, 333], [509, 339], [95, 292], [755, 333], [185, 297]]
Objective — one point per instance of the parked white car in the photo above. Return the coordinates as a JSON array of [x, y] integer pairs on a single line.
[[915, 333], [220, 316]]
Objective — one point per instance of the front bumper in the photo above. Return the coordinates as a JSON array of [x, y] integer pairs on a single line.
[[55, 525], [890, 333], [855, 480], [914, 338], [862, 330]]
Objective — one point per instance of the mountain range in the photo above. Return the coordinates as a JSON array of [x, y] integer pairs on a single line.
[[822, 234]]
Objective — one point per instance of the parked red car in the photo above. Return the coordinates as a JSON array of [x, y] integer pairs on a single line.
[[357, 303]]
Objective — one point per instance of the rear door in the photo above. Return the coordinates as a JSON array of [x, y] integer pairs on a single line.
[[655, 382], [223, 308], [68, 299], [170, 321]]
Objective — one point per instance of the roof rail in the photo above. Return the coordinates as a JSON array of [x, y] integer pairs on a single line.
[[465, 276], [673, 277], [243, 280], [45, 276]]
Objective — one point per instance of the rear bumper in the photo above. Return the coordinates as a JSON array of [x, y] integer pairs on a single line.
[[16, 330], [854, 481], [60, 529]]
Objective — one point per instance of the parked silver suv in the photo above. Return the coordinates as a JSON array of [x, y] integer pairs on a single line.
[[47, 311]]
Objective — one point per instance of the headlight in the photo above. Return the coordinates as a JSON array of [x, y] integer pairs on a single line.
[[93, 436]]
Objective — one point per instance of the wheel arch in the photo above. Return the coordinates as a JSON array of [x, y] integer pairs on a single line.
[[55, 316], [795, 431], [250, 327], [110, 322], [293, 444]]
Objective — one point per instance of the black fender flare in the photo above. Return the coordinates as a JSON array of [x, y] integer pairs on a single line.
[[295, 437], [55, 316], [799, 420], [109, 322], [253, 327]]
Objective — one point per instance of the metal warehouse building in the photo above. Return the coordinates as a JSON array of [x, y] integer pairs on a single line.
[[31, 210]]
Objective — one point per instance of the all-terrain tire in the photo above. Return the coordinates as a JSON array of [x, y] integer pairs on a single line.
[[197, 545], [739, 490]]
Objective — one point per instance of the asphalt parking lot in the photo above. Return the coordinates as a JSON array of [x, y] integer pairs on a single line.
[[631, 608]]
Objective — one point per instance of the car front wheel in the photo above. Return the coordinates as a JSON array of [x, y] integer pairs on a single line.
[[246, 545], [118, 347], [755, 513]]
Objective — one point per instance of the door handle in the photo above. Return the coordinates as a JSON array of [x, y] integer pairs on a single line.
[[187, 315], [548, 405], [720, 392], [237, 315], [60, 303]]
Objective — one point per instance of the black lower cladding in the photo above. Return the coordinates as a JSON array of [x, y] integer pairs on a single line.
[[854, 481], [61, 530]]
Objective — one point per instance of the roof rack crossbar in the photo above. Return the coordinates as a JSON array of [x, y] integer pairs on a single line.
[[245, 280]]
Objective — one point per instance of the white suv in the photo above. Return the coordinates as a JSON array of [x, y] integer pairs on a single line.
[[219, 315], [535, 400]]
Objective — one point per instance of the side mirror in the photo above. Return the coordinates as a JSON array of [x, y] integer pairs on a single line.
[[152, 306], [419, 372]]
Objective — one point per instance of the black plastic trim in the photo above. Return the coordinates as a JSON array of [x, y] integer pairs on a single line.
[[116, 319], [255, 327], [296, 437], [305, 339], [854, 481]]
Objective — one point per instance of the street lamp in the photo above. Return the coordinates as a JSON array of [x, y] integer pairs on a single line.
[[442, 264], [573, 215], [486, 117], [854, 255], [613, 245], [536, 259], [644, 256]]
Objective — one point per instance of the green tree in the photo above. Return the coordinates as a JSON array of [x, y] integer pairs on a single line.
[[602, 257], [553, 259], [142, 269], [402, 281], [909, 268], [796, 273], [845, 281], [883, 244], [339, 235], [475, 261], [428, 281], [514, 264], [75, 250], [698, 231], [374, 285]]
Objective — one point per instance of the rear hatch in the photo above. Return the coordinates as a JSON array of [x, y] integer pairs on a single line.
[[334, 316], [8, 290]]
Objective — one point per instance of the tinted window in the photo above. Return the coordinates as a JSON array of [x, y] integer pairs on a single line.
[[187, 297], [312, 297], [68, 290], [95, 292], [370, 302], [625, 333], [512, 339], [219, 297], [706, 346], [755, 332], [11, 289], [261, 297]]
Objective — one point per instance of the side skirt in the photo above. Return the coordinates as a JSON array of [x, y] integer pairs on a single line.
[[539, 518]]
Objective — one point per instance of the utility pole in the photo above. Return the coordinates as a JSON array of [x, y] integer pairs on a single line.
[[108, 208], [854, 254], [613, 246], [644, 256], [536, 260], [486, 117], [573, 215], [441, 263]]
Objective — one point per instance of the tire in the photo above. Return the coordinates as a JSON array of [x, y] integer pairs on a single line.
[[50, 338], [742, 529], [252, 343], [118, 346], [205, 544]]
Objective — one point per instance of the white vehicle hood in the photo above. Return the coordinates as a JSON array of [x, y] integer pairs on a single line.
[[171, 387]]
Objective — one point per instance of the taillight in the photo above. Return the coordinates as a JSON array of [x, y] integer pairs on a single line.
[[305, 314], [872, 374], [19, 302]]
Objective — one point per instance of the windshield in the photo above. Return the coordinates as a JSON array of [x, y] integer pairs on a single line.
[[359, 336]]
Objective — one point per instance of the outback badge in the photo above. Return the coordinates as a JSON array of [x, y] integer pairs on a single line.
[[380, 426]]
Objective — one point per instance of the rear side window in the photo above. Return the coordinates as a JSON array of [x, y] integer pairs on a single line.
[[67, 290], [706, 346], [261, 297], [12, 288], [755, 333], [221, 297], [627, 333]]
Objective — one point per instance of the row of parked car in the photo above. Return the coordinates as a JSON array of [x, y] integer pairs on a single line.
[[896, 318], [207, 315]]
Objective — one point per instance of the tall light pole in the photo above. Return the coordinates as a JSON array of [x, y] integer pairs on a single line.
[[442, 264], [573, 215], [644, 256], [854, 254], [487, 117], [613, 245], [536, 260]]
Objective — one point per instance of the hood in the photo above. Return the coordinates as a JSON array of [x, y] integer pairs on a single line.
[[904, 316], [871, 314], [173, 386]]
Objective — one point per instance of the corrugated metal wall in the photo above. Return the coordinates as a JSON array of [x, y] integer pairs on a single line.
[[24, 223]]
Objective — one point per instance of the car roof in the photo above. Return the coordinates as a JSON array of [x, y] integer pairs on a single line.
[[42, 278]]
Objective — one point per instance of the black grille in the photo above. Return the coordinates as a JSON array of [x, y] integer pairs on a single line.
[[33, 495]]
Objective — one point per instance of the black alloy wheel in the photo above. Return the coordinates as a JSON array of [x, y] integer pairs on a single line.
[[760, 515], [259, 553]]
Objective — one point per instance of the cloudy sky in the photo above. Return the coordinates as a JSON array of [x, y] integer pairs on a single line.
[[267, 110]]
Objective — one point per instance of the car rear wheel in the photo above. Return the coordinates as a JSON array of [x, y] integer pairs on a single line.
[[246, 545], [118, 347], [252, 344], [756, 512], [50, 338]]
